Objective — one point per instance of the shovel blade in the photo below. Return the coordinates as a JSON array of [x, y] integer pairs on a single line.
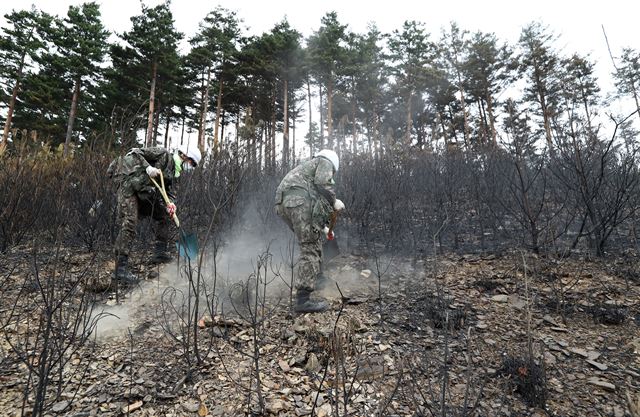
[[188, 246], [330, 250]]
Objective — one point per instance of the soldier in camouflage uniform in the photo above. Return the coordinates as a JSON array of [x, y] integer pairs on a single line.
[[305, 200], [138, 196]]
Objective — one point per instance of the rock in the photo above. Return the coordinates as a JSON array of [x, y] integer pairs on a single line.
[[131, 407], [580, 352], [324, 410], [500, 298], [217, 411], [60, 406], [284, 365], [549, 359], [547, 318], [600, 366], [618, 411], [275, 406], [191, 406], [313, 365], [602, 384], [365, 273], [517, 302], [382, 347], [593, 355], [559, 329]]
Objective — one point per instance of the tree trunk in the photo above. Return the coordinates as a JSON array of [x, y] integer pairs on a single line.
[[204, 94], [407, 135], [285, 134], [492, 119], [152, 93], [218, 112], [72, 115], [321, 138], [293, 143], [156, 122], [311, 140], [353, 121], [464, 110], [330, 113], [166, 131], [12, 103], [184, 118], [272, 132]]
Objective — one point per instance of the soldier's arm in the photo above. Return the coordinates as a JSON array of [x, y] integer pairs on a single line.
[[323, 180]]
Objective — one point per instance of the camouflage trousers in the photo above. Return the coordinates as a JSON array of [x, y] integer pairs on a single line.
[[130, 208], [296, 211]]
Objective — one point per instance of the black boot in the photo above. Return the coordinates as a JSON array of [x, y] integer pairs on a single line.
[[306, 305], [161, 253], [123, 275]]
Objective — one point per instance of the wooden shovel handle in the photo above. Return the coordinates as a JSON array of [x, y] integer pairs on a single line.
[[333, 220], [163, 192]]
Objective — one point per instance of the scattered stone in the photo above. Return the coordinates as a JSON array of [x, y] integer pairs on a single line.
[[500, 298], [191, 406], [313, 365], [549, 359], [593, 355], [559, 329], [600, 366], [580, 352], [275, 406], [284, 365], [131, 407], [602, 384], [60, 406]]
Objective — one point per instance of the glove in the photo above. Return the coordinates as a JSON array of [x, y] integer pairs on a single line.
[[153, 171], [338, 205], [329, 233], [171, 209]]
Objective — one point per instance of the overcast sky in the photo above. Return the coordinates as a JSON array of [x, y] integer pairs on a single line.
[[578, 23]]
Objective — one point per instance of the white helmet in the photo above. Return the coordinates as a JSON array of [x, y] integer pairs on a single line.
[[191, 151], [331, 156]]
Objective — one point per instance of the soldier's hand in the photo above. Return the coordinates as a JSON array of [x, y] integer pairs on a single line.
[[338, 205], [329, 233], [171, 209], [153, 171]]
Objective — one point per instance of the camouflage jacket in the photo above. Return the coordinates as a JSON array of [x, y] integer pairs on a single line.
[[129, 171], [313, 180]]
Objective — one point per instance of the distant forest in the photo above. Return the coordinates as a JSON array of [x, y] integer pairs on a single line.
[[65, 84]]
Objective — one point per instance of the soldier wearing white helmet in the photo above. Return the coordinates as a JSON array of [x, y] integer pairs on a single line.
[[138, 197], [305, 199]]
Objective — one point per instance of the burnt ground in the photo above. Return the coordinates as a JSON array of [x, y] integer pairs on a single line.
[[389, 346]]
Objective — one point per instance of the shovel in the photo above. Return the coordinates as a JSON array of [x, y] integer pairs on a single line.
[[330, 247], [187, 244]]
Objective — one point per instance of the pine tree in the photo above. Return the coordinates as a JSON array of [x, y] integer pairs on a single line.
[[82, 41], [212, 54], [412, 57], [488, 72], [326, 52], [153, 44], [21, 43], [627, 75], [539, 63]]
